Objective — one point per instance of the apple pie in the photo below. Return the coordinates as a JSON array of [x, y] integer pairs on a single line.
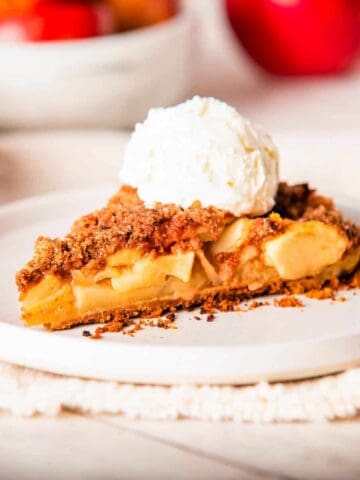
[[128, 260]]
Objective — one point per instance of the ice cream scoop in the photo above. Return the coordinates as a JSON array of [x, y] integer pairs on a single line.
[[203, 151]]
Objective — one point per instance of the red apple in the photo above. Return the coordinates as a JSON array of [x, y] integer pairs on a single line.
[[58, 20], [298, 36]]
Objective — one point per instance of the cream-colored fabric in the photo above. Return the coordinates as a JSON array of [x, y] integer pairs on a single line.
[[28, 392]]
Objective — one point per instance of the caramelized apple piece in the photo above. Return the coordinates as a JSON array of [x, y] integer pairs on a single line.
[[305, 249], [51, 301], [232, 236], [149, 271], [126, 256]]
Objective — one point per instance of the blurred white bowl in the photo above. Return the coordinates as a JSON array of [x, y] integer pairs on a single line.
[[104, 82]]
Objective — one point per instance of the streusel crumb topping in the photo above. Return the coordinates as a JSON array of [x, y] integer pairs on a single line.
[[127, 223]]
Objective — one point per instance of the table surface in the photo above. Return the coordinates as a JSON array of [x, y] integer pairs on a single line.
[[78, 446], [107, 447]]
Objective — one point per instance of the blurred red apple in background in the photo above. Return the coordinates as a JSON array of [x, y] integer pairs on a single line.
[[47, 20], [44, 20], [301, 37]]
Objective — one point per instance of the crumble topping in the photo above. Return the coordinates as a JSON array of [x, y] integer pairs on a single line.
[[292, 200], [299, 202], [126, 223]]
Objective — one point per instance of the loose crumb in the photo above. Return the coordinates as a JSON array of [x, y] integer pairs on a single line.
[[257, 304], [321, 293], [288, 301], [165, 322], [197, 318], [136, 327], [131, 326], [86, 333], [97, 334], [210, 318]]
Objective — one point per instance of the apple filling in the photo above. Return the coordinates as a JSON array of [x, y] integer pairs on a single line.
[[131, 278]]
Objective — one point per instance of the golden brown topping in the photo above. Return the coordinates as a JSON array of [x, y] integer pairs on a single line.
[[299, 202], [158, 230], [126, 196], [126, 223]]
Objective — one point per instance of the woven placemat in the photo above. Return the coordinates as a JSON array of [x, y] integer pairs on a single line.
[[28, 392]]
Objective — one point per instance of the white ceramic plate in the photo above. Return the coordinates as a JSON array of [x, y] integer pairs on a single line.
[[267, 343]]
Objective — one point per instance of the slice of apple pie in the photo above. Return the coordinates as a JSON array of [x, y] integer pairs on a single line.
[[127, 260]]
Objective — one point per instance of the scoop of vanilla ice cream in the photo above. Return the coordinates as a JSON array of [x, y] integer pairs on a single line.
[[202, 150]]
